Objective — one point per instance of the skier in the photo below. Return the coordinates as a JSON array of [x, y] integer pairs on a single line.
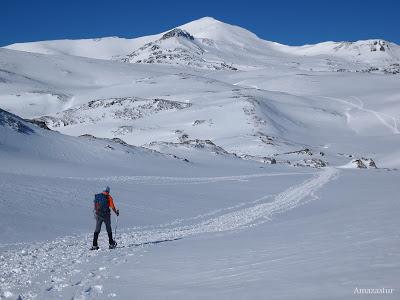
[[102, 204]]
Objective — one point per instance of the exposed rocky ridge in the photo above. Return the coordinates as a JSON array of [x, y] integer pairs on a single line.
[[39, 123], [391, 69], [373, 45], [14, 123], [125, 108], [196, 143], [364, 163], [177, 47], [128, 148], [209, 146], [177, 32]]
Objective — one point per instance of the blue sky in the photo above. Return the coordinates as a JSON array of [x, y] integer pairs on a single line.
[[284, 21]]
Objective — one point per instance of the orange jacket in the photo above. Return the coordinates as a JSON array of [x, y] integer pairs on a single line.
[[110, 200]]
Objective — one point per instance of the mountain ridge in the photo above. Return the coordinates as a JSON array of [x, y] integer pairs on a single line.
[[221, 35]]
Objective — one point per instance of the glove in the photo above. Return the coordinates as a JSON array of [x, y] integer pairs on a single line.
[[117, 212]]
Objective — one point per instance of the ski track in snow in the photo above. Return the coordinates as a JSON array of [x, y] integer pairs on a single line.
[[160, 180], [39, 269], [360, 106], [380, 116]]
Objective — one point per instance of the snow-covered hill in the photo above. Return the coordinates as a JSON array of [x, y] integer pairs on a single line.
[[101, 48], [61, 154], [242, 167], [373, 51], [366, 56]]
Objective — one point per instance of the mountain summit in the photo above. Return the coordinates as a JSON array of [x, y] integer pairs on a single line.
[[210, 28]]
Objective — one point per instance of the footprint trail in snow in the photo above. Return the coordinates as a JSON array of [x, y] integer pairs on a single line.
[[39, 268]]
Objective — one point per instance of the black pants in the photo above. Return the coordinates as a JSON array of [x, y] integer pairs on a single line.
[[99, 221]]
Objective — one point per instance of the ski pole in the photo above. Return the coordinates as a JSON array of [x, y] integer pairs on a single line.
[[115, 230]]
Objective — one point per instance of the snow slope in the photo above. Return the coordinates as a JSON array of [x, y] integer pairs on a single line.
[[101, 48], [370, 51], [258, 233], [234, 162], [273, 112]]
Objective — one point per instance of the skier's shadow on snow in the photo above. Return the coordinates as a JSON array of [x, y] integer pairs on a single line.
[[149, 243]]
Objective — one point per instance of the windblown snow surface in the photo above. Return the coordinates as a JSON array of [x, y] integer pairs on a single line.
[[243, 169]]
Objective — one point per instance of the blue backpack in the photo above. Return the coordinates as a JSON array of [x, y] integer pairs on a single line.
[[101, 204]]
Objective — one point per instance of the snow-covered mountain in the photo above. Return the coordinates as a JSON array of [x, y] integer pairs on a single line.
[[242, 167], [206, 28], [167, 91], [209, 43]]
